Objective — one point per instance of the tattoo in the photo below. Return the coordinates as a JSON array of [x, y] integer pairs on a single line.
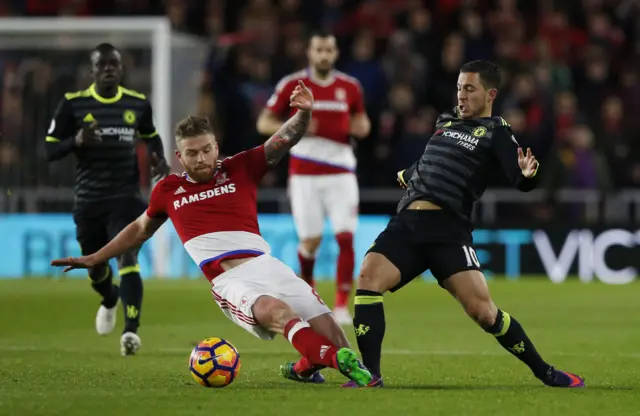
[[286, 137]]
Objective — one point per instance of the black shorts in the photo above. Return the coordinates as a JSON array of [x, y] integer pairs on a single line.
[[419, 240], [98, 222]]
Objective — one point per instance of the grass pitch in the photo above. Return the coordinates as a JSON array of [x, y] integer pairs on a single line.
[[435, 362]]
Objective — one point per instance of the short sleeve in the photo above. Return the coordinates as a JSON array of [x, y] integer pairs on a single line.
[[147, 126], [252, 161], [279, 101], [157, 203]]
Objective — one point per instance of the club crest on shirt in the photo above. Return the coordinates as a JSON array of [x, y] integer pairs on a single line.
[[341, 94], [222, 178]]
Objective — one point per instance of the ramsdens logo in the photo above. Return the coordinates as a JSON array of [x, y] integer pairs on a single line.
[[221, 190]]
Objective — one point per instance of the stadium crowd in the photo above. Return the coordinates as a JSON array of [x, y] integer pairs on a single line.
[[571, 75]]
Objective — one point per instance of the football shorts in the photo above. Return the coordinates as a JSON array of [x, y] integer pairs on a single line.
[[316, 197], [236, 290], [419, 240]]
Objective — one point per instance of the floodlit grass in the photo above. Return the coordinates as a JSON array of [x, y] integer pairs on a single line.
[[435, 362]]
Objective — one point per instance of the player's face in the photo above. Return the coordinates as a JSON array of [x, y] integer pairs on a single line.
[[474, 100], [322, 53], [198, 156], [107, 68]]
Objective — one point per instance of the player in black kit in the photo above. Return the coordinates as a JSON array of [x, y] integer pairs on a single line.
[[100, 126], [432, 227]]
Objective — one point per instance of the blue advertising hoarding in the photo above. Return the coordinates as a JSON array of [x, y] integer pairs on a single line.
[[28, 242]]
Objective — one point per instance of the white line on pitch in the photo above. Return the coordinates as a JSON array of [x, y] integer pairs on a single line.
[[31, 348]]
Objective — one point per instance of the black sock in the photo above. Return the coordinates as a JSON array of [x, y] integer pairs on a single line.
[[369, 326], [131, 295], [102, 282], [512, 337]]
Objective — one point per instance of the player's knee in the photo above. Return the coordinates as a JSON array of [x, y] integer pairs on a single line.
[[99, 272], [482, 311], [311, 245], [345, 241], [272, 313], [377, 273]]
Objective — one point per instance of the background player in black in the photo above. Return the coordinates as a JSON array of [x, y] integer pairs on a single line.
[[100, 126], [432, 229]]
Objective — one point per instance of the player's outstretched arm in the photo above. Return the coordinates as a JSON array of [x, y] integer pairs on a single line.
[[292, 131], [132, 236]]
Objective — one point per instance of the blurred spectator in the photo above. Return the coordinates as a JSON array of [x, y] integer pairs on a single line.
[[444, 78], [401, 63], [367, 70], [566, 114], [578, 164], [477, 43], [424, 36], [619, 140]]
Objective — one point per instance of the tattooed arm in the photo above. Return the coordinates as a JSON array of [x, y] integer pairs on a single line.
[[286, 137], [292, 131]]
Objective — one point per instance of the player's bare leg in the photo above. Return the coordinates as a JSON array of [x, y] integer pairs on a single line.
[[471, 290], [304, 370], [278, 317], [131, 296], [101, 277], [344, 277], [307, 257], [376, 277]]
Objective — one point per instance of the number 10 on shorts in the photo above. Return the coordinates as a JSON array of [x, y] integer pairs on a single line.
[[472, 257]]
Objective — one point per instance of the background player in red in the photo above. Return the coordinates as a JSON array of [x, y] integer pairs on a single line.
[[213, 208], [322, 180]]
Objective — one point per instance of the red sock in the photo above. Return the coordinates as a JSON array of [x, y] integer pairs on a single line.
[[307, 262], [346, 264], [316, 348], [305, 368]]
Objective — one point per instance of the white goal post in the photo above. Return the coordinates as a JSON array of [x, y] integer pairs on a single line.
[[17, 34]]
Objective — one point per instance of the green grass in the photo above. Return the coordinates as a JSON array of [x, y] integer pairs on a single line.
[[436, 362]]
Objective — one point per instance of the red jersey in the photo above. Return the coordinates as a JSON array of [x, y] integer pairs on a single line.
[[336, 99], [217, 220]]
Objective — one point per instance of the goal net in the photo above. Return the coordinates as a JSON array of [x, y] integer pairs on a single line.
[[42, 58]]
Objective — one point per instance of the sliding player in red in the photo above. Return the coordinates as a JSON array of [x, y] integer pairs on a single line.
[[213, 208]]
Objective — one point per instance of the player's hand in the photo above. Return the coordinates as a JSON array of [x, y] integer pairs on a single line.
[[301, 97], [84, 262], [88, 135], [528, 163], [159, 167]]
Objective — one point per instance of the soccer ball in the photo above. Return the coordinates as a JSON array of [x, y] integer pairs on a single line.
[[214, 362]]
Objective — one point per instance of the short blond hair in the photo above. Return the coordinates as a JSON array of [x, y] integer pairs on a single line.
[[192, 126]]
